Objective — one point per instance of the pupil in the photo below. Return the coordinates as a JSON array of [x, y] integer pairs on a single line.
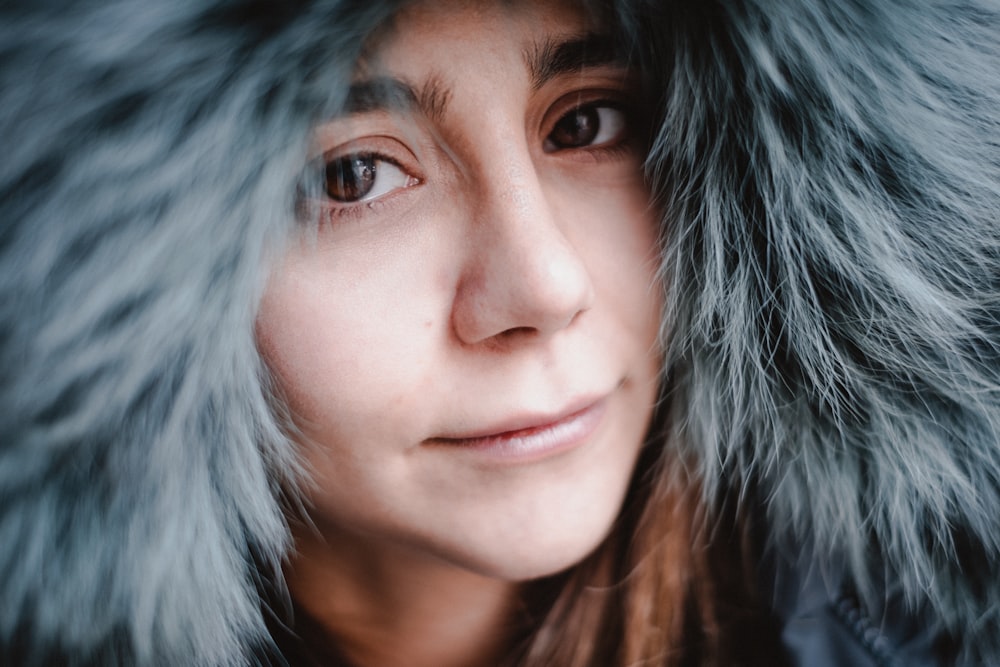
[[577, 128], [350, 178]]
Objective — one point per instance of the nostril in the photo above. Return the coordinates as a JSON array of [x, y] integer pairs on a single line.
[[529, 331], [518, 332]]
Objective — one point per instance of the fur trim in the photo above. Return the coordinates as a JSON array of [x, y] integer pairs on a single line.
[[151, 158], [832, 172]]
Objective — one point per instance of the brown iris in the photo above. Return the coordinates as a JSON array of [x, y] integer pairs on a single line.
[[577, 128], [350, 178]]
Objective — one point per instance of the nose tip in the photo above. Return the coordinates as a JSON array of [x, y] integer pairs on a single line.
[[524, 275]]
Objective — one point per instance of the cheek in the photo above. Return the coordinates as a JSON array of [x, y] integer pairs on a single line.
[[307, 343], [640, 290], [618, 233], [346, 342]]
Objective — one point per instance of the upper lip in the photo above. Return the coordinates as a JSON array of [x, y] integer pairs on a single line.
[[522, 421]]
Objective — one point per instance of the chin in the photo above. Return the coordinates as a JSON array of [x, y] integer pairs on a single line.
[[544, 549], [548, 563]]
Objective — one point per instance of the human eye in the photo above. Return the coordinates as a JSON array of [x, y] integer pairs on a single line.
[[594, 124], [352, 179], [363, 177]]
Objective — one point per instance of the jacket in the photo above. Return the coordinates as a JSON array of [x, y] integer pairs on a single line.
[[830, 177]]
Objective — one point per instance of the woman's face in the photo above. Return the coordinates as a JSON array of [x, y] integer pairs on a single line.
[[469, 344]]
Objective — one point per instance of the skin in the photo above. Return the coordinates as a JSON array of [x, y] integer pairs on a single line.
[[492, 276]]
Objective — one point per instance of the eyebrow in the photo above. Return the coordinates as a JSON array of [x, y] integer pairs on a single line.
[[388, 93], [552, 57], [545, 61]]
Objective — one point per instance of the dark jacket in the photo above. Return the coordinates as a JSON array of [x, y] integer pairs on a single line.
[[830, 177]]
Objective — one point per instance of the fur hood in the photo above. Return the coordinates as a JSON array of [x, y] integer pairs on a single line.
[[830, 172]]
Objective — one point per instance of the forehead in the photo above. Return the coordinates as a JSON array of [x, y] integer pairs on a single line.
[[421, 33], [418, 57]]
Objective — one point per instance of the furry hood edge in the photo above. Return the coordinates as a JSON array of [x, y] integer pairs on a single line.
[[830, 175]]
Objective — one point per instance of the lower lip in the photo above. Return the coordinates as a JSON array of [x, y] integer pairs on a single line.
[[533, 444]]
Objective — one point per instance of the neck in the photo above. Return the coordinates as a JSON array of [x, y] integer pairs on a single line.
[[386, 604]]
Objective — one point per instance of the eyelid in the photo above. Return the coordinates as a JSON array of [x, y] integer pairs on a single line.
[[384, 146], [613, 96]]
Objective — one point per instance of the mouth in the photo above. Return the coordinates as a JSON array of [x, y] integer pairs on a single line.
[[530, 437]]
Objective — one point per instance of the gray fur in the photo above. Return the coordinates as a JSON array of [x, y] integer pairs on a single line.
[[151, 157], [831, 170]]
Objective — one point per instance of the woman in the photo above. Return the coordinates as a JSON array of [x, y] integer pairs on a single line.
[[362, 301], [465, 332]]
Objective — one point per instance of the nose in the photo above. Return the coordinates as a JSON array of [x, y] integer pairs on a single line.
[[522, 274]]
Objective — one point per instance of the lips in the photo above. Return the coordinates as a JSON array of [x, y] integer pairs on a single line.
[[531, 436]]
